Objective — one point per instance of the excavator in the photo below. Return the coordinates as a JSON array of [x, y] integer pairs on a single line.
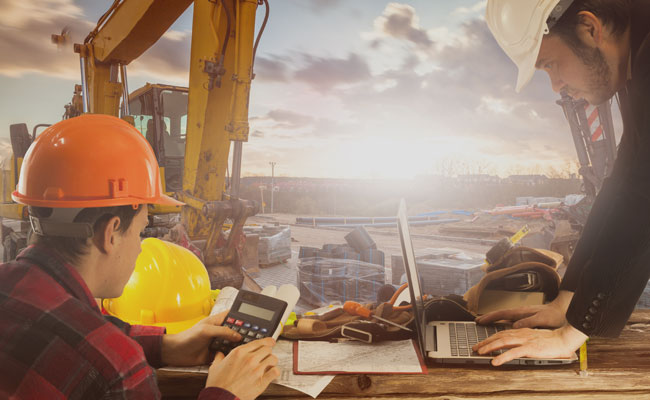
[[190, 129], [592, 131]]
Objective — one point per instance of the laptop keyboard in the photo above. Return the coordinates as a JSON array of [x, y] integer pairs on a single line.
[[464, 335]]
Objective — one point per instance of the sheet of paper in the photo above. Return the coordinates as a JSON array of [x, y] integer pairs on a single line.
[[225, 299], [313, 385], [398, 357], [308, 384]]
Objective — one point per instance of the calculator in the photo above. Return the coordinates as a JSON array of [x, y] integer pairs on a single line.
[[254, 316]]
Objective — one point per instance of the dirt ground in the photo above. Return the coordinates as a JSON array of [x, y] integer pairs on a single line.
[[386, 238]]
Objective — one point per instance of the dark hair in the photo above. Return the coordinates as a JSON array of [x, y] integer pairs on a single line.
[[70, 249], [615, 14]]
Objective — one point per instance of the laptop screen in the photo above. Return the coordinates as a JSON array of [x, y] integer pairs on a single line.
[[412, 275]]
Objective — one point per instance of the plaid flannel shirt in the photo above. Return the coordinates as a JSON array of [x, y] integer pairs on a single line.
[[55, 343]]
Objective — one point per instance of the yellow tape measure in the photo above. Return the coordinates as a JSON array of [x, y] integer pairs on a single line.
[[583, 359], [520, 234]]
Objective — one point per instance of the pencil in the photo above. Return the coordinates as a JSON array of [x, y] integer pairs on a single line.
[[583, 359]]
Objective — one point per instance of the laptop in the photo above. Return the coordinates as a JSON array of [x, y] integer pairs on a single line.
[[450, 341]]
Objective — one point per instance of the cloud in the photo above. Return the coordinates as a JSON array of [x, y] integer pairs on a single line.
[[318, 6], [25, 46], [476, 8], [283, 127], [20, 13], [401, 22], [25, 30], [323, 74], [464, 90], [272, 69], [168, 60], [290, 118], [455, 100]]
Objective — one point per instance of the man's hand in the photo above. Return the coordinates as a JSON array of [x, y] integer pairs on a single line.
[[532, 343], [246, 371], [551, 315], [191, 347]]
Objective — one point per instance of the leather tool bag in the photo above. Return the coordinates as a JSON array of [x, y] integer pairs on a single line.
[[447, 308], [337, 324], [520, 269]]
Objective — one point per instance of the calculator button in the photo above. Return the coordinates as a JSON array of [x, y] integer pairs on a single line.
[[226, 342], [264, 331], [247, 339], [230, 320], [239, 322], [247, 325], [258, 336], [256, 328], [243, 331], [251, 333]]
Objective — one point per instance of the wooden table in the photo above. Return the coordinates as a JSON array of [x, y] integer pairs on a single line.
[[618, 368]]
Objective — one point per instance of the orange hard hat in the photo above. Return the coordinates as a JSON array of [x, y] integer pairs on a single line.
[[90, 161]]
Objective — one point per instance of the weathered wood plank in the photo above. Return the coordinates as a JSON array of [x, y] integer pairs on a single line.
[[503, 396], [619, 368]]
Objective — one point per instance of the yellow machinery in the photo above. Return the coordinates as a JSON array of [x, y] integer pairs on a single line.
[[14, 219], [191, 128]]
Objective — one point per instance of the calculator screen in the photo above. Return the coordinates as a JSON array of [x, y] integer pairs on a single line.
[[255, 311]]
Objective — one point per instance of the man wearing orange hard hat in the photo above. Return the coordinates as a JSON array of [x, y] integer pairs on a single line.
[[87, 182], [594, 50]]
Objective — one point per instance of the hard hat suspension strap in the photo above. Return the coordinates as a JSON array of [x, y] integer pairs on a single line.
[[60, 222], [558, 12]]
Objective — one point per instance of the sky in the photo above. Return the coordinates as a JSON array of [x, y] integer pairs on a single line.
[[343, 88]]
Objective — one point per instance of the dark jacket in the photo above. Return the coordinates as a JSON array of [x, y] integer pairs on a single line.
[[611, 263]]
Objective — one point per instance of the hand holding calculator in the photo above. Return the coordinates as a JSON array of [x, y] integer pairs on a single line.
[[254, 316]]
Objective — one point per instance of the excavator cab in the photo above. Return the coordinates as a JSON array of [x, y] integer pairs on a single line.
[[160, 114]]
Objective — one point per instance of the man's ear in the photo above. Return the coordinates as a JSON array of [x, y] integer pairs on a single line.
[[105, 240], [590, 29]]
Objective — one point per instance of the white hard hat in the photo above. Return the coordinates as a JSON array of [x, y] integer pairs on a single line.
[[519, 25]]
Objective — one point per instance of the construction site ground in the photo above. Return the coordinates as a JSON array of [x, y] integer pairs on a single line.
[[386, 239]]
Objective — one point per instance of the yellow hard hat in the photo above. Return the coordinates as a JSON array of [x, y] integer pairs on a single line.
[[169, 287]]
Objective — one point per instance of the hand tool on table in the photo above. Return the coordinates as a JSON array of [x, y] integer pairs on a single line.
[[504, 245], [354, 308], [583, 359]]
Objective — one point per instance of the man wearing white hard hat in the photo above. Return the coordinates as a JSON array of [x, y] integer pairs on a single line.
[[591, 49]]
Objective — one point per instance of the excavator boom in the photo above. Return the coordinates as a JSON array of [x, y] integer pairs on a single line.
[[221, 60]]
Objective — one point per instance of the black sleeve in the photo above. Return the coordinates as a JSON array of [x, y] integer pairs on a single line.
[[611, 264]]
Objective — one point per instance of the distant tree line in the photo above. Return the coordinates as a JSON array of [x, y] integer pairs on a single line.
[[374, 197]]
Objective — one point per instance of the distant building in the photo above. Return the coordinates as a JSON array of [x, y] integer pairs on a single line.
[[528, 180], [474, 179]]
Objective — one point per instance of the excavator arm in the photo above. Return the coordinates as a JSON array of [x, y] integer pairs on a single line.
[[221, 60], [123, 33]]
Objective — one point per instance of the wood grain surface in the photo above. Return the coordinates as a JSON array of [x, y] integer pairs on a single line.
[[618, 368]]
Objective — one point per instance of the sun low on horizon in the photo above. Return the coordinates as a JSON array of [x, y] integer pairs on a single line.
[[363, 89]]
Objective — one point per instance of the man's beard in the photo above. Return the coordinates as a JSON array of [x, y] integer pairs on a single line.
[[599, 78]]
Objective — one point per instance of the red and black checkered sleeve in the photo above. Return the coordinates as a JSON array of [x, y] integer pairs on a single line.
[[148, 337]]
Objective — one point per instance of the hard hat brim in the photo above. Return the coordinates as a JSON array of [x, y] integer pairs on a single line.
[[527, 67], [90, 203], [171, 327], [165, 200]]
